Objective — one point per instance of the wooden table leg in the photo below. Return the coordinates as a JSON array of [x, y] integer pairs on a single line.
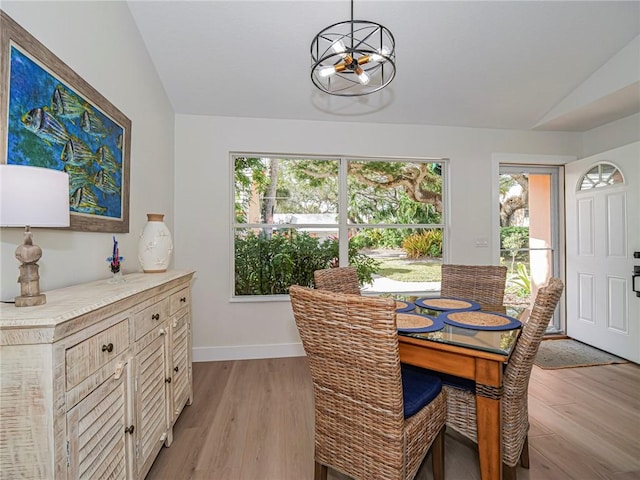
[[489, 418]]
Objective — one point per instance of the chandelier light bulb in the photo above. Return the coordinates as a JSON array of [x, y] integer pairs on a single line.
[[362, 76], [382, 52], [339, 48], [327, 71]]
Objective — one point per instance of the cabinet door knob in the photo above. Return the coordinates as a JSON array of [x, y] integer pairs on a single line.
[[155, 316], [107, 348], [162, 331], [183, 300], [167, 380], [175, 369], [129, 430]]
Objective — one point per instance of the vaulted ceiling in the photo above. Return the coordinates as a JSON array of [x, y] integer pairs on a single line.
[[545, 65]]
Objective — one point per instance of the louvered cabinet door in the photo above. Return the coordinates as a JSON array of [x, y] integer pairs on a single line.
[[150, 398], [99, 432], [181, 366]]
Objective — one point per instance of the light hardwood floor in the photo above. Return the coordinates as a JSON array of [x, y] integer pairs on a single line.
[[253, 420]]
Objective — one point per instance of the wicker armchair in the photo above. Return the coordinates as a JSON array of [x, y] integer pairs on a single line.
[[483, 283], [461, 404], [361, 395], [339, 280]]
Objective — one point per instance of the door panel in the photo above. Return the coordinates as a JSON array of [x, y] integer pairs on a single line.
[[603, 231]]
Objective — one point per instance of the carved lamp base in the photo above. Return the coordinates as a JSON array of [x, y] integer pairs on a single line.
[[23, 301], [29, 278]]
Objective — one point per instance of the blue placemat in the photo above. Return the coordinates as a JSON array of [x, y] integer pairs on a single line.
[[446, 304], [475, 320], [402, 306], [416, 323]]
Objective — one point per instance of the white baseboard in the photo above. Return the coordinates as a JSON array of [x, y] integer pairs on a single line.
[[247, 352]]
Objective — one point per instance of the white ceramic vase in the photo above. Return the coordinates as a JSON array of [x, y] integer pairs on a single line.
[[155, 245]]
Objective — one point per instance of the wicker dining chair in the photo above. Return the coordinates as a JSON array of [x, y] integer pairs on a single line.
[[484, 284], [461, 403], [339, 280], [373, 419]]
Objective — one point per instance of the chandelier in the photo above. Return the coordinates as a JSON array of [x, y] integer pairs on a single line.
[[353, 58]]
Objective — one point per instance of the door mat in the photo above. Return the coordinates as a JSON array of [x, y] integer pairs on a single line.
[[568, 353]]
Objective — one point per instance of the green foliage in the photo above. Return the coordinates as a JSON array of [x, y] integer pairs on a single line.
[[270, 264], [427, 243], [520, 281], [512, 240], [248, 173], [407, 212]]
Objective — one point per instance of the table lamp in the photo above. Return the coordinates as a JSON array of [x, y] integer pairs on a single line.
[[32, 197]]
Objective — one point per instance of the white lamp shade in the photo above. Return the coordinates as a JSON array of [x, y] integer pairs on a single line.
[[33, 196]]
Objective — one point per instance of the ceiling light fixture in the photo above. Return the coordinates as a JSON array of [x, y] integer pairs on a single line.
[[353, 58]]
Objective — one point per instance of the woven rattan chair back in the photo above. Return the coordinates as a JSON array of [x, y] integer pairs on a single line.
[[483, 283], [339, 280], [515, 415], [351, 344], [461, 405]]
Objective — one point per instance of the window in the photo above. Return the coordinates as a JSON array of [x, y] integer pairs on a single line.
[[295, 215], [602, 175]]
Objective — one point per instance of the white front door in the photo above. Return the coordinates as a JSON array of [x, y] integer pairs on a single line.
[[603, 232]]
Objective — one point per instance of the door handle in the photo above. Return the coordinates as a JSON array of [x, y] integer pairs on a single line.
[[634, 275]]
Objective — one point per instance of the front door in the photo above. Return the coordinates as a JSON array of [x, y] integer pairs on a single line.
[[603, 232]]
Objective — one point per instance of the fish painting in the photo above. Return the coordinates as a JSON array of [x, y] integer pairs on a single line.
[[91, 124], [56, 121], [106, 159], [85, 201], [76, 152], [78, 177], [65, 104], [46, 126], [105, 182]]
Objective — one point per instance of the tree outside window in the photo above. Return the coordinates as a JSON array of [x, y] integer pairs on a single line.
[[295, 215]]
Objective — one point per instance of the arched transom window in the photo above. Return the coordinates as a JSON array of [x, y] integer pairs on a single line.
[[601, 175]]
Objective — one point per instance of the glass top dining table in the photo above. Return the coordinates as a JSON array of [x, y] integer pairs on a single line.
[[476, 355], [493, 341]]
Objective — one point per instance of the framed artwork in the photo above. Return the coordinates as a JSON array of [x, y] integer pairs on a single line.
[[52, 118]]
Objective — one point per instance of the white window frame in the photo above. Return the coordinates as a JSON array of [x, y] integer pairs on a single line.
[[342, 225]]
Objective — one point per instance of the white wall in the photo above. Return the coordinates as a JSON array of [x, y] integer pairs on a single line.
[[224, 329], [611, 136], [100, 42]]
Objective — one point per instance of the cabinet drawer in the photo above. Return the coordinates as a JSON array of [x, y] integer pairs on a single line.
[[89, 355], [180, 300], [150, 317]]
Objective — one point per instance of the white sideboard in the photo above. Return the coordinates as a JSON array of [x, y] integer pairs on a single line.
[[92, 382]]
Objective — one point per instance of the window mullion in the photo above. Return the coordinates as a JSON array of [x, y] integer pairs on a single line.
[[343, 212]]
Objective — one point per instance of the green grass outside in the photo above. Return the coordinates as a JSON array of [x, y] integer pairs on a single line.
[[404, 270]]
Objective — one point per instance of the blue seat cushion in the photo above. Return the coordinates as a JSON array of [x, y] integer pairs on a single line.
[[450, 380], [419, 388]]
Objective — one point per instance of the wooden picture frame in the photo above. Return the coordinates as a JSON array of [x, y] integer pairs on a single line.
[[52, 118]]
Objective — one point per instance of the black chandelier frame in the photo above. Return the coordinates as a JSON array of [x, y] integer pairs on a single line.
[[360, 41]]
